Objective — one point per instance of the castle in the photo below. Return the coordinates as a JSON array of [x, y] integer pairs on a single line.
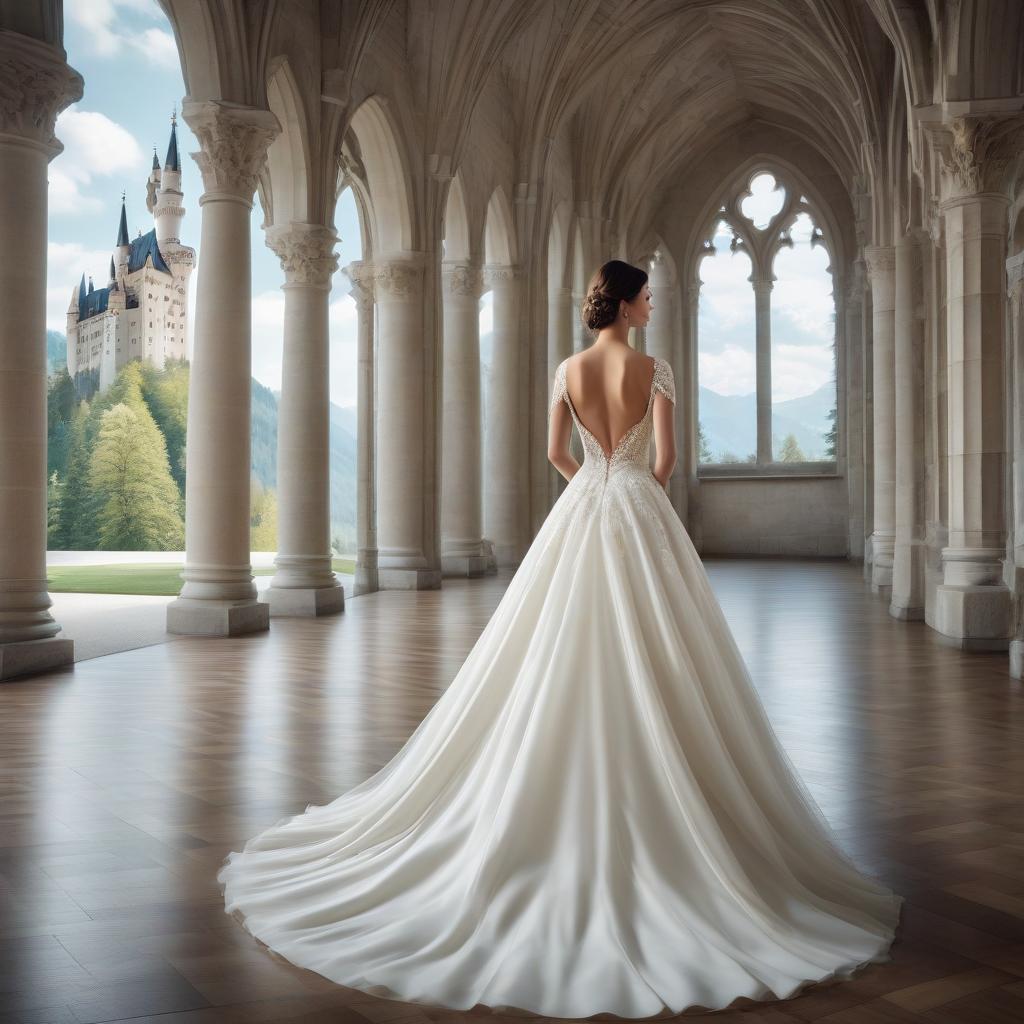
[[142, 313]]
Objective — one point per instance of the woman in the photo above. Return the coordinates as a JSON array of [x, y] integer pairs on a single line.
[[596, 816]]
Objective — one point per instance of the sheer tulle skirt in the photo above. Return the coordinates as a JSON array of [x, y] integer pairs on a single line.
[[595, 817]]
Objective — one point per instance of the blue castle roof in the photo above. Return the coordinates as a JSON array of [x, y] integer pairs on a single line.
[[143, 246], [172, 163]]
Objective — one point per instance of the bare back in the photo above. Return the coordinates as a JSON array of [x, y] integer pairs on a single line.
[[609, 387]]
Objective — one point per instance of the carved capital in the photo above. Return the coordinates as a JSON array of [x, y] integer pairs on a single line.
[[234, 140], [497, 273], [36, 84], [974, 152], [398, 279], [361, 275], [306, 252], [880, 260], [463, 279]]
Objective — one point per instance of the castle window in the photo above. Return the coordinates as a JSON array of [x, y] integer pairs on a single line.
[[764, 261]]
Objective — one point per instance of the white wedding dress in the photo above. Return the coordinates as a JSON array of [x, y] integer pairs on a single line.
[[595, 816]]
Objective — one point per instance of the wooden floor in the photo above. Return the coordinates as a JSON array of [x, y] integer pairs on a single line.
[[125, 782]]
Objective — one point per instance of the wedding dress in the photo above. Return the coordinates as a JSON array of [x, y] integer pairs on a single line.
[[595, 816]]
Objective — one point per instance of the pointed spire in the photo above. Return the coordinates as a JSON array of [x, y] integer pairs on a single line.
[[81, 291], [156, 160], [172, 163], [122, 230], [113, 275], [90, 284]]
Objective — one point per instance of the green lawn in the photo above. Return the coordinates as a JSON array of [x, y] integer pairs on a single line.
[[158, 579]]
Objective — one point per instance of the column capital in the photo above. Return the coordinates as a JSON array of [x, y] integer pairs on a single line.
[[975, 151], [361, 275], [463, 278], [497, 273], [399, 278], [36, 84], [233, 140], [306, 252], [880, 259]]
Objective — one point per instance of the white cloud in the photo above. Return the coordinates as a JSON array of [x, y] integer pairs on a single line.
[[733, 371], [109, 33], [65, 264], [94, 147], [159, 46]]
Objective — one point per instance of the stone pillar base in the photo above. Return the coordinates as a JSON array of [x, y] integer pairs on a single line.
[[909, 567], [489, 560], [210, 617], [508, 556], [463, 565], [408, 579], [909, 614], [305, 601], [30, 657], [973, 618]]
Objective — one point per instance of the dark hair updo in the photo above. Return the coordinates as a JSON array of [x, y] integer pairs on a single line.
[[614, 282]]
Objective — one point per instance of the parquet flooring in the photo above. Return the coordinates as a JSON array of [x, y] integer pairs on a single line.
[[125, 782]]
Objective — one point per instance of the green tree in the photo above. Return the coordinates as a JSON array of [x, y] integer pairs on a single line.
[[703, 448], [262, 517], [129, 473], [166, 393], [76, 519], [54, 491], [728, 456], [790, 451], [831, 436]]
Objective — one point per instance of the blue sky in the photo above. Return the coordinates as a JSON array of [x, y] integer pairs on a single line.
[[126, 53]]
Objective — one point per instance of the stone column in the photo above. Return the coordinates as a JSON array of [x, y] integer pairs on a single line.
[[762, 281], [36, 83], [1015, 292], [219, 597], [504, 450], [853, 337], [972, 602], [881, 263], [907, 599], [561, 331], [402, 559], [361, 276], [462, 550], [304, 583]]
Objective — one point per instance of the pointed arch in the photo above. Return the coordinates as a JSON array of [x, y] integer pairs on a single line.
[[387, 182], [457, 240], [288, 155], [500, 232]]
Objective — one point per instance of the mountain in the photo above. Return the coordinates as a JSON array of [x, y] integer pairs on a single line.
[[730, 421], [56, 351]]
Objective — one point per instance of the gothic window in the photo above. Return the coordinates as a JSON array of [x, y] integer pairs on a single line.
[[766, 335]]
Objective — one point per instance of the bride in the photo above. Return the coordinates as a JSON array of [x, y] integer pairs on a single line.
[[596, 816]]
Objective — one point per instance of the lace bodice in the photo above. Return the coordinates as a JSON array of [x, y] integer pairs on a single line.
[[635, 444]]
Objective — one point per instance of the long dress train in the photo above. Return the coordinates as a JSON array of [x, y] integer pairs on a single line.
[[595, 817]]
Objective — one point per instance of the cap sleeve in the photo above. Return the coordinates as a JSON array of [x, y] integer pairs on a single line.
[[558, 393], [664, 381]]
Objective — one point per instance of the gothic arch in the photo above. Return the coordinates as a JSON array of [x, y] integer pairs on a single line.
[[457, 234], [384, 169], [835, 239], [288, 156], [500, 231]]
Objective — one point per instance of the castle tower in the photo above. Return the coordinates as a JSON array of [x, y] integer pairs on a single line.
[[142, 312], [169, 210]]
